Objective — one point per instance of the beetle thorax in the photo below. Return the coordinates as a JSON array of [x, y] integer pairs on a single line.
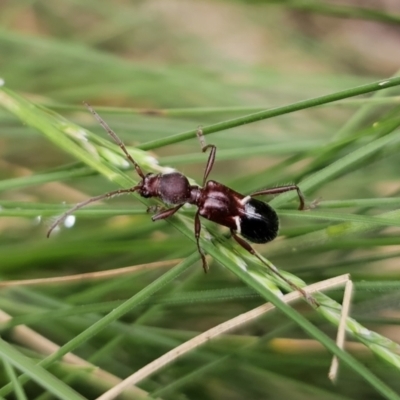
[[173, 188]]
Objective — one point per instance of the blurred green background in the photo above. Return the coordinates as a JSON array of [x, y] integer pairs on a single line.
[[153, 69]]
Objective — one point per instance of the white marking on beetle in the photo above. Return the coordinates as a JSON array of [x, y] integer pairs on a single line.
[[383, 83], [237, 221], [245, 200], [252, 212], [251, 209]]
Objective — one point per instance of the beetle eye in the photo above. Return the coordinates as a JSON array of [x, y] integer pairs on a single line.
[[145, 194]]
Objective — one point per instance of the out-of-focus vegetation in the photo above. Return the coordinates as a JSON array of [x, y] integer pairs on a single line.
[[156, 69]]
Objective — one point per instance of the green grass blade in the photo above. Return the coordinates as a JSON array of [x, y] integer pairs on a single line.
[[37, 373], [274, 112]]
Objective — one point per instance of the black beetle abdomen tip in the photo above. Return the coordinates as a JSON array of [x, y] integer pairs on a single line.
[[259, 223]]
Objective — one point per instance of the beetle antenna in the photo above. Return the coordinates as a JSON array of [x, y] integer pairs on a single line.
[[116, 138], [86, 202]]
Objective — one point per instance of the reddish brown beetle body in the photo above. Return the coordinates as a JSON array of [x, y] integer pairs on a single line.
[[253, 219]]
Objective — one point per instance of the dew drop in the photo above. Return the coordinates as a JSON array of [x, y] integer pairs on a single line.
[[70, 221]]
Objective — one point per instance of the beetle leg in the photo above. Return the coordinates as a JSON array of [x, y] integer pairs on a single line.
[[247, 247], [197, 230], [211, 158], [283, 189], [164, 214]]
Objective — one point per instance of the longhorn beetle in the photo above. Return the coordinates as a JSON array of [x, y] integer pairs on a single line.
[[255, 220]]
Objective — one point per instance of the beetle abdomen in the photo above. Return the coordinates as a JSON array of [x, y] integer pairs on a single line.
[[259, 223]]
